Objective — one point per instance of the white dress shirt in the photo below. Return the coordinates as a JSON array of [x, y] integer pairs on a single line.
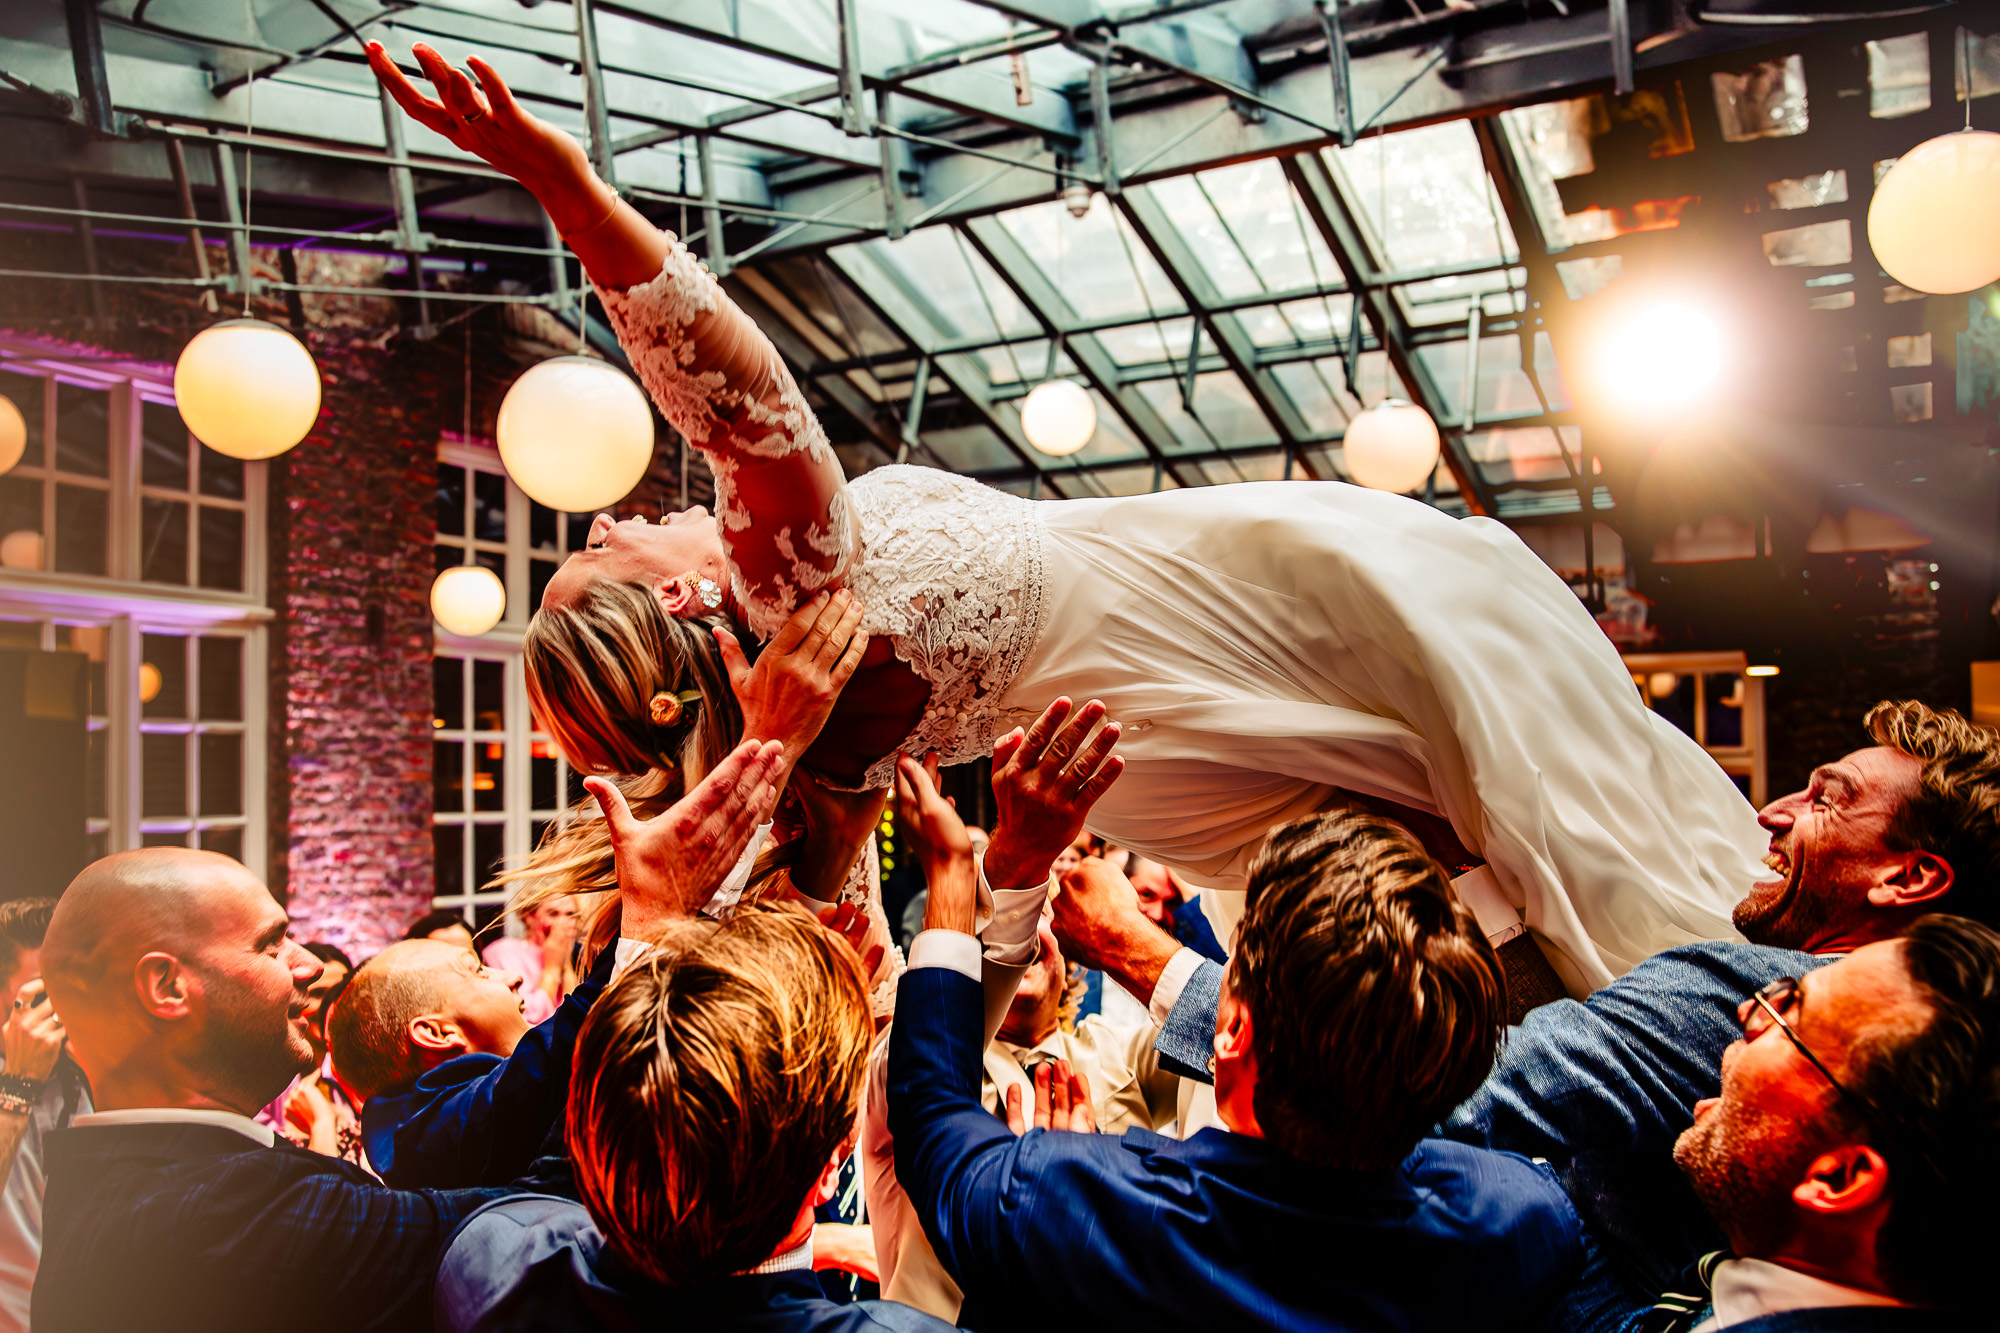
[[1746, 1289]]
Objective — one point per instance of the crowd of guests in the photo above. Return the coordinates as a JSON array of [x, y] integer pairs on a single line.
[[1329, 1125]]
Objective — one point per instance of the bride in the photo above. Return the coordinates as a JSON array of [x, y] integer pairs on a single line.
[[1265, 647]]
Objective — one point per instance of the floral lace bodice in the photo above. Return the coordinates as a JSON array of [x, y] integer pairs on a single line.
[[949, 569]]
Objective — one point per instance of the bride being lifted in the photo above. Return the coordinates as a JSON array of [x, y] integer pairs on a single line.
[[1264, 647]]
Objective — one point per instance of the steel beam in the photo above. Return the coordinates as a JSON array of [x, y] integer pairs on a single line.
[[596, 113], [93, 83], [1170, 249], [1338, 227], [997, 246]]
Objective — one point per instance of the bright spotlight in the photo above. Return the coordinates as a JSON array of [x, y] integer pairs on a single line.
[[1658, 358]]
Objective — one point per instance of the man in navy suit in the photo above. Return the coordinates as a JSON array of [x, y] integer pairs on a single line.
[[456, 1090], [169, 1208], [1361, 1005], [715, 1098]]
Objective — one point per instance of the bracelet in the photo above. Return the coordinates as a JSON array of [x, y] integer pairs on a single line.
[[21, 1087], [568, 236], [11, 1104]]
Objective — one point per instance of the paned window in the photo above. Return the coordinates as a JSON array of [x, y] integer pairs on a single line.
[[497, 782], [1713, 698], [125, 540]]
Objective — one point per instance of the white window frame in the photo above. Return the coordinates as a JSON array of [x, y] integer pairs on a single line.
[[128, 609], [1747, 760], [502, 643]]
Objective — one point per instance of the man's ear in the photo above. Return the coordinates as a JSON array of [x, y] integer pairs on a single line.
[[437, 1036], [1920, 877], [1851, 1178], [164, 986]]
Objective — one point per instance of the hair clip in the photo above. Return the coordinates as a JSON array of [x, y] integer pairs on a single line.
[[665, 709]]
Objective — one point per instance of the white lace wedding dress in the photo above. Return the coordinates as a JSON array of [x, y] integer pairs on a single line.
[[1265, 646]]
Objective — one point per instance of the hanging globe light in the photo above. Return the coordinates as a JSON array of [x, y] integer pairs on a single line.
[[150, 681], [247, 388], [13, 434], [21, 550], [575, 433], [1393, 446], [1932, 221], [1058, 417], [468, 600]]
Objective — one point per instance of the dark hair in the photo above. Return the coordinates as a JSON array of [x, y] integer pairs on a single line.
[[421, 928], [330, 953], [24, 923], [1956, 811], [1934, 1114], [1376, 1003]]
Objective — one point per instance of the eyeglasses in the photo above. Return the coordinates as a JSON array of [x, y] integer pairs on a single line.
[[1776, 1000]]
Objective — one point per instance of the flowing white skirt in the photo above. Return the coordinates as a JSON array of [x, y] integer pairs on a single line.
[[1268, 644]]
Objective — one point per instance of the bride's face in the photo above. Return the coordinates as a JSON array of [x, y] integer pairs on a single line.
[[659, 555]]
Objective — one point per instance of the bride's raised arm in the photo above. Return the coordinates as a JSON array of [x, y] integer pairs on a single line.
[[780, 493]]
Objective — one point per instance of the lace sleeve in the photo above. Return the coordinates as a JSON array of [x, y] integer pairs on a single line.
[[780, 496]]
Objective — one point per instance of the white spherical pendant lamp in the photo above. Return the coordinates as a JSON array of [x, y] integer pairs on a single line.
[[575, 433], [1393, 446], [1058, 417], [13, 433], [21, 550], [468, 600], [247, 388], [1934, 223]]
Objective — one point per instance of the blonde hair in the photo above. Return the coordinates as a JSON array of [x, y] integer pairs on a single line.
[[714, 1082], [595, 665]]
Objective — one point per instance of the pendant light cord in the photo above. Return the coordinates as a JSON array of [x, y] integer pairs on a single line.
[[249, 153]]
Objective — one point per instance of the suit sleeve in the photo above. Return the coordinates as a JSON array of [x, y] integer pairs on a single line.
[[1623, 1069], [1187, 1038], [490, 1129], [955, 1160]]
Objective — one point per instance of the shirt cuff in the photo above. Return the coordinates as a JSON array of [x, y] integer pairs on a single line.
[[1173, 980], [946, 948], [628, 952], [722, 905], [1011, 935]]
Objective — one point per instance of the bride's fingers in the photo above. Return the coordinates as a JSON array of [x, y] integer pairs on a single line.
[[423, 109], [498, 94], [462, 98]]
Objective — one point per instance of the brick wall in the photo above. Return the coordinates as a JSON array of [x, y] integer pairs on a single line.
[[349, 551]]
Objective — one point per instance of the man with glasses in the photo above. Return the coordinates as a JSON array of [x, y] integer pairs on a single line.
[[1605, 1085], [1853, 1153]]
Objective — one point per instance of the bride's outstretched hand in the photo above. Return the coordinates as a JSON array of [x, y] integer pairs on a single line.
[[484, 119]]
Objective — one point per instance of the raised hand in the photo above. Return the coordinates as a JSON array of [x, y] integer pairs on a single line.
[[857, 931], [788, 694], [1045, 780], [933, 829], [668, 866], [1062, 1101], [33, 1038]]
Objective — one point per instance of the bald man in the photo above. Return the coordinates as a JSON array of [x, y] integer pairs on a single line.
[[455, 1088], [169, 1208]]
